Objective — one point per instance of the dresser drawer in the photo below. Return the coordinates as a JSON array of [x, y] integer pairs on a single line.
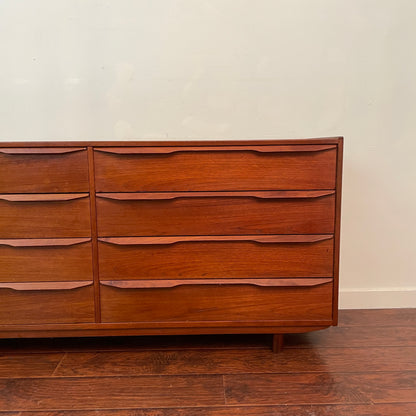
[[43, 260], [215, 168], [46, 303], [216, 257], [216, 213], [44, 215], [43, 170], [230, 303]]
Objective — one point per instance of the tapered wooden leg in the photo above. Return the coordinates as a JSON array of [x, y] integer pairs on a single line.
[[277, 342]]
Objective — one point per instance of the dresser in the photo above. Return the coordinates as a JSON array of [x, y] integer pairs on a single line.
[[150, 238]]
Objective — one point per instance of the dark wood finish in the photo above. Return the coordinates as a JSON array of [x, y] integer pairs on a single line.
[[36, 172], [40, 197], [255, 223], [263, 239], [28, 260], [45, 219], [215, 359], [226, 170], [278, 340], [29, 365], [52, 377], [337, 227], [370, 409], [143, 284], [94, 235], [39, 150], [26, 286], [65, 305], [182, 214], [140, 196], [173, 143], [247, 148], [104, 393], [215, 259], [216, 303]]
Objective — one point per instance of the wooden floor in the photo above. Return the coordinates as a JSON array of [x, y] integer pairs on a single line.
[[365, 366]]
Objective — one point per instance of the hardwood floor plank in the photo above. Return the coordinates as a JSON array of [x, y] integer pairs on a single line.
[[320, 388], [377, 317], [278, 389], [114, 392], [354, 336], [32, 365], [290, 360], [397, 409], [387, 387]]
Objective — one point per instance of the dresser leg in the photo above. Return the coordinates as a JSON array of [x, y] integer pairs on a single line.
[[277, 342]]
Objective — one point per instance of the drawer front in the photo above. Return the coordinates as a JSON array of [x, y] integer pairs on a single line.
[[44, 218], [214, 259], [214, 215], [217, 303], [37, 172], [43, 305], [214, 170], [45, 260]]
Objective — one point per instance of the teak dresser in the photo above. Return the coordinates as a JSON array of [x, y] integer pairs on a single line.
[[142, 238]]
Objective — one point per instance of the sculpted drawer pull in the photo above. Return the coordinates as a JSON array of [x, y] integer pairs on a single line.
[[152, 284], [43, 242], [259, 149], [25, 286], [41, 197], [39, 150], [266, 239], [138, 196]]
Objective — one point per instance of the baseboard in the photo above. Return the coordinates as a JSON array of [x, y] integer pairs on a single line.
[[401, 297]]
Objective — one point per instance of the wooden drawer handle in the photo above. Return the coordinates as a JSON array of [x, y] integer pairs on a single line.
[[41, 197], [266, 239], [259, 149], [25, 286], [139, 196], [39, 150], [43, 242], [152, 284]]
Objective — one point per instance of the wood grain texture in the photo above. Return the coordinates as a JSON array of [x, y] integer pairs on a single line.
[[215, 171], [43, 307], [378, 317], [215, 216], [45, 263], [320, 388], [356, 336], [29, 365], [113, 392], [275, 389], [144, 196], [44, 173], [337, 224], [143, 284], [238, 361], [41, 197], [39, 150], [50, 219], [247, 148], [396, 409], [216, 303], [231, 259]]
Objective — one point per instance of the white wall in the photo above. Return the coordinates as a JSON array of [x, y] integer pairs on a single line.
[[133, 69]]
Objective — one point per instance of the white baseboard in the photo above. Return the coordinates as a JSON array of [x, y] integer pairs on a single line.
[[401, 297]]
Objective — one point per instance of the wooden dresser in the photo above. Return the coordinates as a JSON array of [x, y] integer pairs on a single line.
[[141, 238]]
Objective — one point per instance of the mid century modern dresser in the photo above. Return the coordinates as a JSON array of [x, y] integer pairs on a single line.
[[142, 238]]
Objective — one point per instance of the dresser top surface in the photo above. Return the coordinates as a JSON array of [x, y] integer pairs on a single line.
[[173, 143]]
